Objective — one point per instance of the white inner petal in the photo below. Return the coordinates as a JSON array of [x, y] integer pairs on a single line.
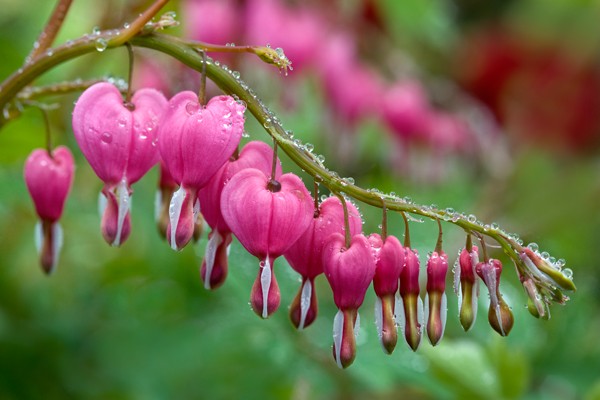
[[420, 315], [174, 213], [425, 308], [101, 204], [305, 297], [211, 250], [38, 236], [265, 283], [443, 313], [456, 271], [123, 197], [338, 331], [474, 296], [157, 205], [57, 236]]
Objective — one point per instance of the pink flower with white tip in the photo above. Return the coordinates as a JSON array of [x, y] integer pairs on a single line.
[[196, 141], [305, 255], [49, 179], [349, 270], [267, 216], [410, 310], [390, 261], [120, 142], [255, 154]]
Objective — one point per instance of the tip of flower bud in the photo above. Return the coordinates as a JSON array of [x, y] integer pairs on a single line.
[[410, 319], [437, 309], [303, 310], [265, 296], [386, 324], [501, 318], [275, 57], [344, 342]]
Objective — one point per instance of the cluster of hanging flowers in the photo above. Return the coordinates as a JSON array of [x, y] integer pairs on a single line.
[[204, 176]]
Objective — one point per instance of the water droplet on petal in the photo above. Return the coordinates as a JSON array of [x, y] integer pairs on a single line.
[[106, 138], [192, 107]]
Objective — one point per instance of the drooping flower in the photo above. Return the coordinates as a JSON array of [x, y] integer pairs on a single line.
[[119, 141], [389, 262], [49, 179], [410, 311], [267, 216], [254, 155], [499, 314], [435, 300], [349, 270], [195, 142], [467, 286], [305, 255]]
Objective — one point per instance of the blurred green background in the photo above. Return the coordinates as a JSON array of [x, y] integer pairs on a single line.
[[135, 322]]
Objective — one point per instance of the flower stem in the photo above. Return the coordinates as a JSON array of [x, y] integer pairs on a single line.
[[347, 235], [51, 29], [128, 95]]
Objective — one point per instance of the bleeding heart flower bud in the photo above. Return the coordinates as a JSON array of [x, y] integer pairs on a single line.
[[499, 314], [410, 310], [214, 266], [435, 300], [195, 142], [49, 179], [390, 261], [267, 223], [466, 286], [305, 256], [119, 141], [349, 272]]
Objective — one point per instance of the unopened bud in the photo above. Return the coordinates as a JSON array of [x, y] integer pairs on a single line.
[[562, 280], [213, 271], [410, 314], [499, 314], [435, 301], [469, 287]]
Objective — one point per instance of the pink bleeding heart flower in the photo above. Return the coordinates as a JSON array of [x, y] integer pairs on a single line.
[[406, 110], [254, 155], [267, 216], [195, 142], [349, 270], [119, 141], [305, 255], [435, 300], [49, 179], [499, 315], [466, 285], [389, 264], [410, 309]]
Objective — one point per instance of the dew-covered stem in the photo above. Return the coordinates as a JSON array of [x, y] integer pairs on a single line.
[[48, 34]]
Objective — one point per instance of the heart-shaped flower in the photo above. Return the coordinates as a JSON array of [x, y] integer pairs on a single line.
[[349, 270], [267, 217], [49, 179], [435, 300], [389, 264], [410, 310], [255, 154], [305, 255], [195, 142], [120, 142]]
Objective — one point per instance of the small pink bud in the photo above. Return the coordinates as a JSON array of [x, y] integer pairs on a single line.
[[119, 141], [49, 179], [410, 314], [305, 255], [266, 223], [499, 314], [349, 272], [467, 286], [435, 301], [390, 261], [195, 142]]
